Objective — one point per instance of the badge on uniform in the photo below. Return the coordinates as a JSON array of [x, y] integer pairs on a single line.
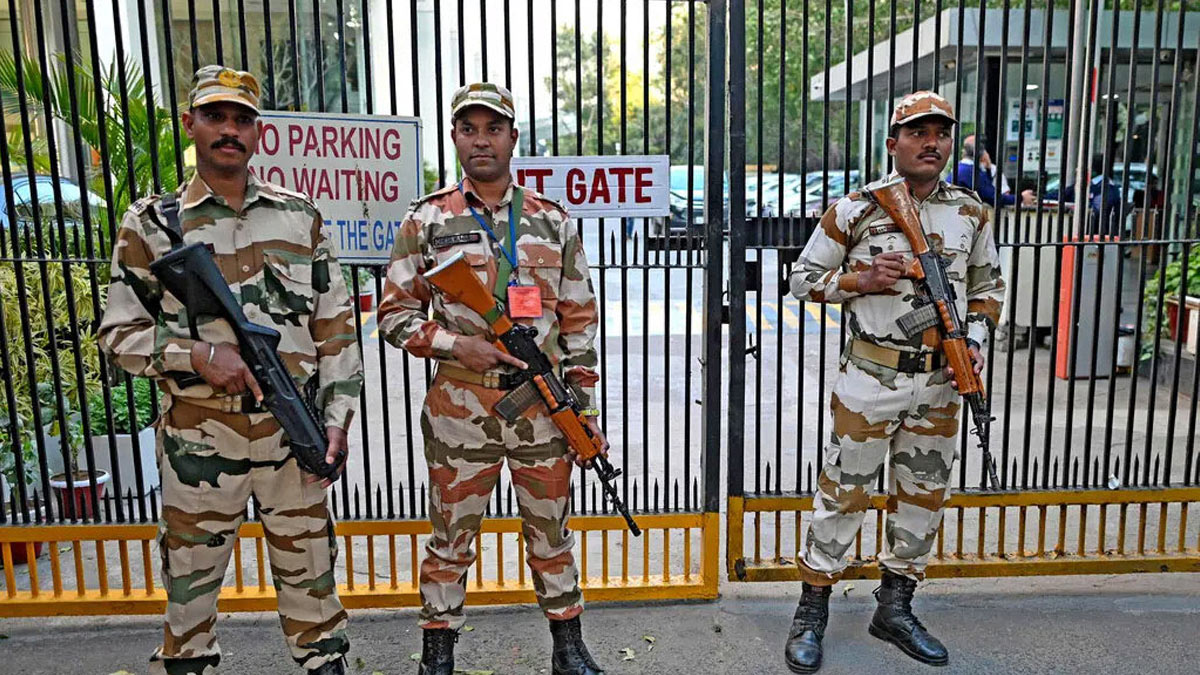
[[524, 302]]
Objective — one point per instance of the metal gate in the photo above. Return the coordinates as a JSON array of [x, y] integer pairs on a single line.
[[1092, 373], [599, 77]]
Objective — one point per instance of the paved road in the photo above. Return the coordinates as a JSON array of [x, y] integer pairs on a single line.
[[1131, 624]]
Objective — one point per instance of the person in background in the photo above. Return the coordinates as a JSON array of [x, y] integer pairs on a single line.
[[965, 176]]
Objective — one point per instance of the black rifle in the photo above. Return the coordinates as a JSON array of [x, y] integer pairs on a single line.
[[189, 273]]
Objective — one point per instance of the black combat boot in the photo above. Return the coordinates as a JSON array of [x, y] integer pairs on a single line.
[[894, 622], [337, 667], [803, 649], [437, 651], [571, 656]]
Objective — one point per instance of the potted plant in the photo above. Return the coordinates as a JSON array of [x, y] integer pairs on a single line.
[[11, 480], [124, 430], [1177, 318], [366, 286], [73, 484]]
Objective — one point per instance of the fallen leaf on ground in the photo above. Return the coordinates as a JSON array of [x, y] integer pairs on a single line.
[[415, 656], [121, 672], [847, 589], [628, 654], [359, 664], [468, 629], [458, 671], [648, 638]]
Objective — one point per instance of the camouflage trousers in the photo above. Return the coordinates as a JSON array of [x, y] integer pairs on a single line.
[[211, 464], [878, 414], [465, 446]]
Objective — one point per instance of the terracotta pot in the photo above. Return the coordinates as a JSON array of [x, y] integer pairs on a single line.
[[79, 492], [19, 554], [366, 300]]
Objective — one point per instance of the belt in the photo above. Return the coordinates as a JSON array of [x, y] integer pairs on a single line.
[[244, 404], [490, 379], [901, 361]]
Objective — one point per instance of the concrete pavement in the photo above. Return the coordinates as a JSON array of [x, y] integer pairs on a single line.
[[1120, 624]]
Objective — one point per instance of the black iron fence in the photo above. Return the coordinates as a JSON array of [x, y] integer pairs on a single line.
[[90, 96], [94, 107], [1092, 372]]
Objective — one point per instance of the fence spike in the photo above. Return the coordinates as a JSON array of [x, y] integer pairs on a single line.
[[37, 507], [1157, 477], [1075, 472], [400, 500], [334, 501], [154, 503], [423, 503], [675, 492], [808, 477], [1054, 475], [1095, 472], [1033, 482], [656, 495], [508, 499], [1136, 466], [768, 483], [695, 502], [593, 499], [378, 501], [357, 510]]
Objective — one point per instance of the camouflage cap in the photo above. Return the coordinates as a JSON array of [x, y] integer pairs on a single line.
[[485, 94], [213, 84], [922, 104]]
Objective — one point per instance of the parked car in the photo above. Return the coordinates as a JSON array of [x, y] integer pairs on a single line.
[[71, 203], [679, 196], [814, 197]]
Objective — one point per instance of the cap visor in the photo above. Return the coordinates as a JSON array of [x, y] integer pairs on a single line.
[[490, 106], [223, 98]]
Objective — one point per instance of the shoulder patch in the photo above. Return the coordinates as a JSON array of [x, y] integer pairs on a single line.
[[292, 194], [142, 205], [530, 192], [960, 192], [453, 187]]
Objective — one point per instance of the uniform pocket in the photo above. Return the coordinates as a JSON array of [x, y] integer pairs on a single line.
[[541, 265], [287, 284]]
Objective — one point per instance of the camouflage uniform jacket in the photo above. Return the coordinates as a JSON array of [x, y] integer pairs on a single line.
[[854, 230], [549, 254], [277, 262]]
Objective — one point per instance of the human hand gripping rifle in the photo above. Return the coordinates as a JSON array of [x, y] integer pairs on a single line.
[[455, 279], [190, 274], [937, 308]]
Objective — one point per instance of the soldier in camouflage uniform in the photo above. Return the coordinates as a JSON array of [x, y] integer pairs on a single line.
[[893, 398], [503, 230], [217, 447]]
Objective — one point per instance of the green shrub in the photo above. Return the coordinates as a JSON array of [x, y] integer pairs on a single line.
[[143, 393]]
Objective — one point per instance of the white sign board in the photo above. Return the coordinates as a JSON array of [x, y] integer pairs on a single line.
[[1030, 119], [614, 186], [361, 170]]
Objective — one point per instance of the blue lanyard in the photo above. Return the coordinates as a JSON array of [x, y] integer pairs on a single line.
[[512, 230]]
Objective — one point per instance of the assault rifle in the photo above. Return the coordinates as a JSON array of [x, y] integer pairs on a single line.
[[539, 384], [937, 308], [190, 274]]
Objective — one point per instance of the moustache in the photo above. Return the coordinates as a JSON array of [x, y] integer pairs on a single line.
[[230, 142]]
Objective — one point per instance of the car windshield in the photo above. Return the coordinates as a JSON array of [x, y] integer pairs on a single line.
[[679, 178]]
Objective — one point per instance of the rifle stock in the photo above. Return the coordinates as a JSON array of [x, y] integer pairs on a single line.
[[929, 273], [458, 282]]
